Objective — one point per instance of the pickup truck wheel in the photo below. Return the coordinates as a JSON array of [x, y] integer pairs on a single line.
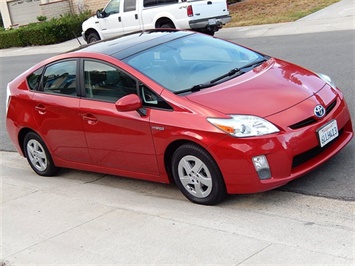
[[93, 37], [208, 32], [167, 26]]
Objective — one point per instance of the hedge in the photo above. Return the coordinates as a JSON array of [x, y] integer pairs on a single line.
[[53, 31]]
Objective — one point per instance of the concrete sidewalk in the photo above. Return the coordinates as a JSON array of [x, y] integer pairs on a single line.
[[339, 16], [81, 218]]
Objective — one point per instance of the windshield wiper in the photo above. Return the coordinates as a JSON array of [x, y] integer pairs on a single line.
[[196, 87], [239, 71], [256, 63], [234, 72]]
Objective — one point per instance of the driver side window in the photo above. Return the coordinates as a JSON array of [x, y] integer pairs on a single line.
[[113, 7], [107, 83]]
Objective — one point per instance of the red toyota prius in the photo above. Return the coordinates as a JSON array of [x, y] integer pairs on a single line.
[[167, 106]]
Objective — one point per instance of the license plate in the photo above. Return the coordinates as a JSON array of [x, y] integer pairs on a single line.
[[212, 21], [328, 132]]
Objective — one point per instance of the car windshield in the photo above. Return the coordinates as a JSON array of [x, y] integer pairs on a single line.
[[193, 61]]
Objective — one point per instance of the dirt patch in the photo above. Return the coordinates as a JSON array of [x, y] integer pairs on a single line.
[[257, 12]]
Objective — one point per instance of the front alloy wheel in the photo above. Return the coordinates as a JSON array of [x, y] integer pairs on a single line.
[[197, 175]]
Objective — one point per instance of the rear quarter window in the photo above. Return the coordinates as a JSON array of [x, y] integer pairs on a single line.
[[34, 79]]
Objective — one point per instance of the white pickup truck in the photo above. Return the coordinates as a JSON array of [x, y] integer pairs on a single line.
[[124, 16]]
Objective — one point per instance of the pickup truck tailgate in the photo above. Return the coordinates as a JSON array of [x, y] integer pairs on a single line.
[[209, 9]]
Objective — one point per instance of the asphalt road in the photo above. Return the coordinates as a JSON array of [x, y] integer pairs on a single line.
[[331, 53]]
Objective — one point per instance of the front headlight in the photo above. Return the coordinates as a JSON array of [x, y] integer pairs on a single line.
[[244, 125], [327, 79]]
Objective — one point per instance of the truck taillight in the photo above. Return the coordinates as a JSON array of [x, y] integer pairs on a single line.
[[190, 12]]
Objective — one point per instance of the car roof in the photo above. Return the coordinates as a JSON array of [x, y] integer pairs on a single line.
[[129, 44]]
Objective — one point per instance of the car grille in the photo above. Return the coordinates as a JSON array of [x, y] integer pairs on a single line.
[[305, 156], [311, 120]]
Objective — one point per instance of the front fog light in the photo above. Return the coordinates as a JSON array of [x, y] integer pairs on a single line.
[[262, 167]]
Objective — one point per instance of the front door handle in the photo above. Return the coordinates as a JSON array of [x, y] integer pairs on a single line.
[[90, 119], [41, 109]]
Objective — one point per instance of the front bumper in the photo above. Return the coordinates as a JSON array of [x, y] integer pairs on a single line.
[[290, 153]]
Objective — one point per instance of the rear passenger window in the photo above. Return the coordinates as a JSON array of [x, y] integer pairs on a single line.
[[129, 5], [34, 79], [107, 83], [60, 78]]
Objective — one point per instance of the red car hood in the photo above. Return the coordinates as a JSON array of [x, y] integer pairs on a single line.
[[268, 89]]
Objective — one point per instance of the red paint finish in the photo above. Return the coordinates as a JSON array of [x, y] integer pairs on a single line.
[[131, 138]]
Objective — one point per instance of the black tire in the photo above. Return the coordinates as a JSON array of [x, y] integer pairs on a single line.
[[197, 175], [167, 26], [208, 32], [93, 37], [38, 155]]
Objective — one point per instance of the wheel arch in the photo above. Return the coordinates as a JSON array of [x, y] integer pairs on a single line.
[[217, 190], [21, 138], [91, 30], [163, 20], [171, 148]]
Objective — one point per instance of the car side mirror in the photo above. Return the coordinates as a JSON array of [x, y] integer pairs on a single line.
[[130, 102], [100, 14]]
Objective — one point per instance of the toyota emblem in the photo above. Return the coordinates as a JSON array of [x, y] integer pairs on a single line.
[[319, 111]]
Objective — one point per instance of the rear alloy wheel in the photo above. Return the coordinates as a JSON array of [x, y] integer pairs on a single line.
[[38, 156], [197, 175]]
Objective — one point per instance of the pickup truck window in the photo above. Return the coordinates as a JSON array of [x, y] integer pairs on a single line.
[[129, 5], [113, 7], [149, 3]]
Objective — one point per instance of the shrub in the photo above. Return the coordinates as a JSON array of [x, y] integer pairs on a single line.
[[10, 38], [41, 18], [53, 31]]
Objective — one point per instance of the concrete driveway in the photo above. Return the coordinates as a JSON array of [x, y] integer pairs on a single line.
[[80, 218]]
